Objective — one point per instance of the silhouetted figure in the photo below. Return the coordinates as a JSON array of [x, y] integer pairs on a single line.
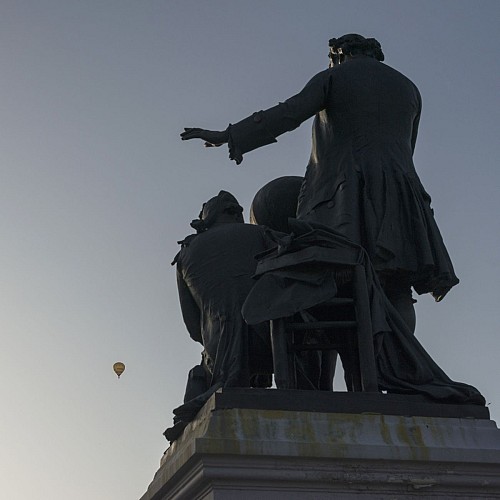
[[214, 275], [360, 180]]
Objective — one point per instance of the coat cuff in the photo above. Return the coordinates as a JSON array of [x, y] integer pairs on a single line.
[[247, 135]]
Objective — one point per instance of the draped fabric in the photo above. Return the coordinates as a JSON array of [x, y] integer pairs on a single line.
[[403, 365]]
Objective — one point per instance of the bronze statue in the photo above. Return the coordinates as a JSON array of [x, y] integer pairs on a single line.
[[214, 275], [215, 270], [360, 195], [360, 180]]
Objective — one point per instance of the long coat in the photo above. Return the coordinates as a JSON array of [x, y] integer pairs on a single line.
[[360, 180], [214, 277]]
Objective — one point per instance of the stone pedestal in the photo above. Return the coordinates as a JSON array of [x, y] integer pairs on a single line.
[[315, 451]]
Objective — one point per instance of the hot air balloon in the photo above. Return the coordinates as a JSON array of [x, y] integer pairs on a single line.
[[119, 368]]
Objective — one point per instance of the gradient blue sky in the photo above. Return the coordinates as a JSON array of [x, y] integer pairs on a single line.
[[96, 188]]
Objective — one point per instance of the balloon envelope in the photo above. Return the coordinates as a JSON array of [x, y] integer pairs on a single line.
[[119, 368]]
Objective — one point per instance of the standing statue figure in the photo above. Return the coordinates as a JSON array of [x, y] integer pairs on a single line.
[[214, 276], [360, 180]]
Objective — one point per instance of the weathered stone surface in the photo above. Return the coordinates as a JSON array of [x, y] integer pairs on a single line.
[[249, 453]]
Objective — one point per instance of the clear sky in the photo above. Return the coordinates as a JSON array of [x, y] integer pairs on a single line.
[[97, 188]]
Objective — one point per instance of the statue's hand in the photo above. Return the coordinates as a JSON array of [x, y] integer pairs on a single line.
[[212, 138]]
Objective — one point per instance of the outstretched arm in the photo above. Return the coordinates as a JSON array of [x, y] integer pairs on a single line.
[[263, 127]]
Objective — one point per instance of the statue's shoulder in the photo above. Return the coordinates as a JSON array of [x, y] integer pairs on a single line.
[[397, 74]]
